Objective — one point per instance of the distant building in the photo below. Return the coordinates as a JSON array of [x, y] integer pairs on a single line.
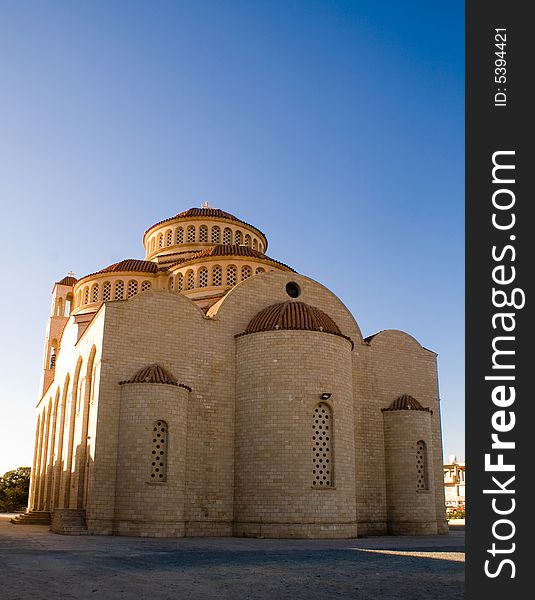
[[454, 483]]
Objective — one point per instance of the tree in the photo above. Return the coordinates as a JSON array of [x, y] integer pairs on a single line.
[[14, 487]]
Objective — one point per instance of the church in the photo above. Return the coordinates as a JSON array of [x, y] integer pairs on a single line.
[[211, 390]]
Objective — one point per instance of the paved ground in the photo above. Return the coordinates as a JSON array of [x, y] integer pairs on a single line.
[[37, 564]]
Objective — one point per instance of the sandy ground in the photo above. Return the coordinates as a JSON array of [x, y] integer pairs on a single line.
[[37, 564]]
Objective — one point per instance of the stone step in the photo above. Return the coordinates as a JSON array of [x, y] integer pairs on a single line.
[[32, 518]]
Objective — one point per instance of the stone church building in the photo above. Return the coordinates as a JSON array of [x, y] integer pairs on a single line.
[[210, 390]]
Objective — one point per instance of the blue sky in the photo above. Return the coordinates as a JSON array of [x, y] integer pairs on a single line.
[[335, 127]]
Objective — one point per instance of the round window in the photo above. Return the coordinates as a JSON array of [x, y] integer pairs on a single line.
[[293, 290]]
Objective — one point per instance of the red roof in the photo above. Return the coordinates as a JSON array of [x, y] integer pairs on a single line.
[[230, 250], [406, 402], [67, 281], [291, 315], [206, 213]]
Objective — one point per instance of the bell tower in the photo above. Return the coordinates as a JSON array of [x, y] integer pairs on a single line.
[[62, 304]]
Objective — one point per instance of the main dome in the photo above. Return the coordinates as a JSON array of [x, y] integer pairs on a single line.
[[197, 228]]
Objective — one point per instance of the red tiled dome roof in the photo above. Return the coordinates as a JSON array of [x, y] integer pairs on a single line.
[[129, 264], [206, 213], [231, 250], [155, 374], [67, 280], [406, 402], [292, 315]]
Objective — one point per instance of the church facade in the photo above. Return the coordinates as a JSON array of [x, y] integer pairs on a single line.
[[209, 390]]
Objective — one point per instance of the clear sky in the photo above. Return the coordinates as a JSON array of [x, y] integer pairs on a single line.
[[335, 127]]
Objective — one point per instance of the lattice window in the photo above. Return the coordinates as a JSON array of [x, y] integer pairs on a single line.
[[190, 280], [203, 277], [119, 290], [146, 285], [232, 275], [191, 233], [247, 240], [94, 293], [322, 467], [203, 233], [260, 270], [238, 239], [217, 275], [216, 234], [106, 292], [86, 295], [169, 238], [255, 244], [152, 244], [179, 282], [132, 288], [160, 240], [179, 237], [246, 272], [227, 236], [158, 471], [171, 284], [422, 482]]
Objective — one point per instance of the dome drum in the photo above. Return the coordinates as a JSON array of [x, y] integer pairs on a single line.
[[201, 228]]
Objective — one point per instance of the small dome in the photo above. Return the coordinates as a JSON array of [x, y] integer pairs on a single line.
[[152, 374], [131, 264], [406, 402], [293, 316], [67, 280]]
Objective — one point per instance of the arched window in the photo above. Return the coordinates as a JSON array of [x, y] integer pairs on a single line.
[[119, 290], [246, 272], [53, 354], [238, 239], [203, 233], [170, 284], [146, 285], [227, 236], [255, 244], [94, 293], [59, 308], [78, 298], [217, 275], [86, 294], [190, 280], [179, 282], [260, 270], [191, 233], [160, 240], [422, 478], [247, 240], [231, 275], [158, 457], [322, 460], [203, 277], [169, 238], [216, 234], [179, 236], [152, 244], [132, 288], [106, 292], [69, 303]]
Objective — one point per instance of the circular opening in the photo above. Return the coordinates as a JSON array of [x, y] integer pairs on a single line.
[[293, 290]]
